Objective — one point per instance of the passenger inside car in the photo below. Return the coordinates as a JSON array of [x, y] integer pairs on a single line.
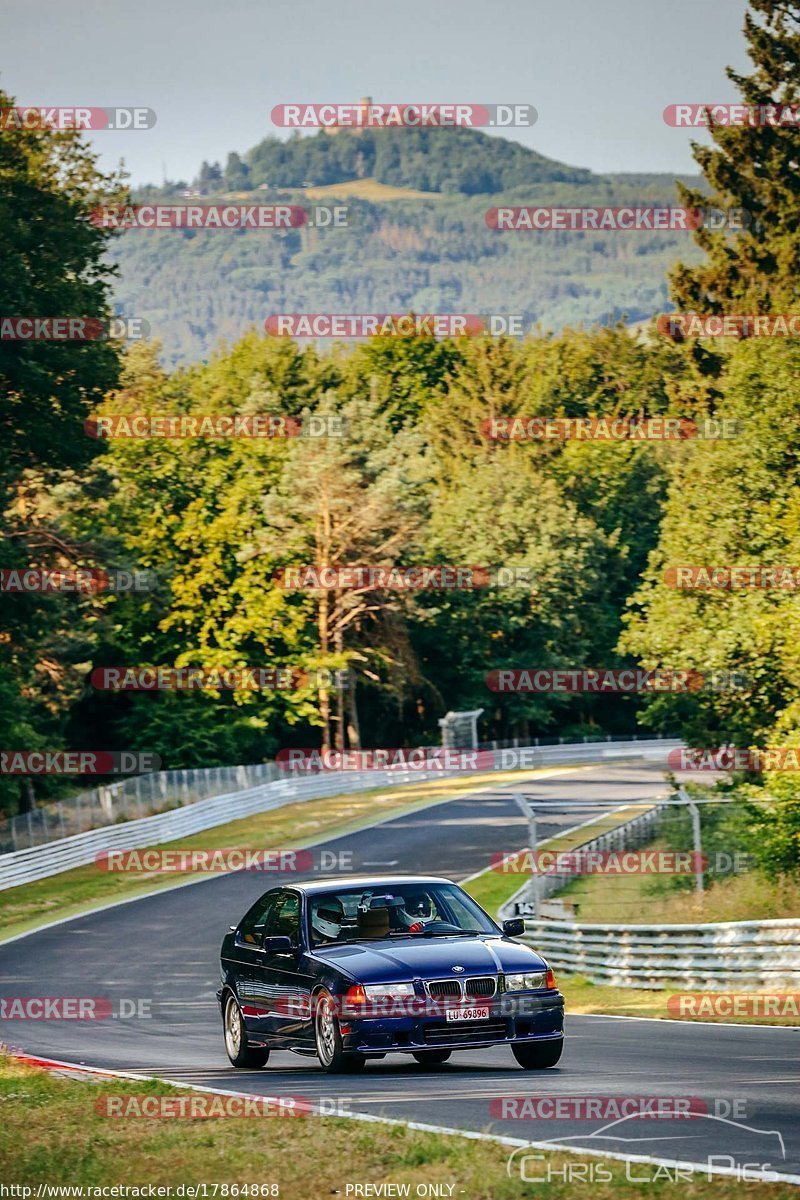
[[373, 922]]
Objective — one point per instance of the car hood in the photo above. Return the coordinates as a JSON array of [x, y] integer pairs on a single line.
[[428, 958]]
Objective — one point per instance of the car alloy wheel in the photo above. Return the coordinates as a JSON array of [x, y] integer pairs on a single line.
[[326, 1031], [233, 1028], [328, 1038], [236, 1046]]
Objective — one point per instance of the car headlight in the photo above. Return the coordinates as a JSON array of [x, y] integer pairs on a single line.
[[525, 983], [386, 991]]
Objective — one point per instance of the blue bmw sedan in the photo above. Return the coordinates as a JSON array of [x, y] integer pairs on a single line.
[[351, 969]]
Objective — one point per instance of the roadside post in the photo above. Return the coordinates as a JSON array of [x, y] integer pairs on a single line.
[[529, 813], [694, 812]]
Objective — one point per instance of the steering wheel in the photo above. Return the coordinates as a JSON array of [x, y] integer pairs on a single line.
[[436, 927]]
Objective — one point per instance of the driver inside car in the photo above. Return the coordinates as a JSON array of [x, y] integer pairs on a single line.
[[416, 912], [327, 918]]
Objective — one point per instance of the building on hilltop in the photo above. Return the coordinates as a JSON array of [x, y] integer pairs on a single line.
[[363, 106]]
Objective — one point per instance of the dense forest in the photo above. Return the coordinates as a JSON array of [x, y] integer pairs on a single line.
[[410, 479], [415, 238]]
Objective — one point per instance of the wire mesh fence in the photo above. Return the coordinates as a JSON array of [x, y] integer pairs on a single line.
[[596, 735], [606, 878], [127, 800], [194, 813]]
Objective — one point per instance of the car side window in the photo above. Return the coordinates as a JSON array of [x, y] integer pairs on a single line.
[[252, 929], [284, 920]]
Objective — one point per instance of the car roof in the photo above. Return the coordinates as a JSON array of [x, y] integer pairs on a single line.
[[312, 886]]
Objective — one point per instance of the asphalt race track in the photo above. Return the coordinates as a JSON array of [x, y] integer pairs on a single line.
[[163, 949]]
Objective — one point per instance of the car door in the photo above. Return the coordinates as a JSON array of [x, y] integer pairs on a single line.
[[247, 960], [284, 983]]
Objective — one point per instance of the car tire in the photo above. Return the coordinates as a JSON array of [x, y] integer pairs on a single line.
[[235, 1034], [533, 1056], [328, 1039], [431, 1058]]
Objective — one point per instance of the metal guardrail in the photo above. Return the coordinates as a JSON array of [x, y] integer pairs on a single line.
[[38, 862], [127, 800], [749, 955], [145, 795]]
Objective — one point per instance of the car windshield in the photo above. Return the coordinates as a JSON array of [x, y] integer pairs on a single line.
[[398, 911]]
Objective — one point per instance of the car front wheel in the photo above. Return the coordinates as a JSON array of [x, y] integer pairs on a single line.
[[240, 1054], [328, 1038], [535, 1057]]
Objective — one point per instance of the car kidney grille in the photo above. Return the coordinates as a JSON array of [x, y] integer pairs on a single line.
[[481, 985], [444, 987]]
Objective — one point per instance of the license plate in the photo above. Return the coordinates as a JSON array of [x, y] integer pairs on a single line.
[[467, 1014]]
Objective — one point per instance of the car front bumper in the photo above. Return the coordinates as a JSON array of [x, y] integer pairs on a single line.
[[512, 1018]]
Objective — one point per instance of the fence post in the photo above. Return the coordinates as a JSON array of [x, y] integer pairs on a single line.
[[528, 811], [694, 812]]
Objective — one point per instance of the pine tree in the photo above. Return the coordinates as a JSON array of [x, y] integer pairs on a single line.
[[757, 168], [237, 173], [210, 177]]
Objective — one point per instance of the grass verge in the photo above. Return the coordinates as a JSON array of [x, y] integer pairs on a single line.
[[638, 899], [583, 996], [52, 1134], [367, 189]]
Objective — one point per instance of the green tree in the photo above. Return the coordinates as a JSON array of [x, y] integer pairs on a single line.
[[754, 167], [184, 507], [774, 829], [237, 173], [732, 502], [52, 264], [356, 500]]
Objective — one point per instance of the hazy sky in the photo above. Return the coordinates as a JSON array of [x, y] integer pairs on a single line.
[[599, 72]]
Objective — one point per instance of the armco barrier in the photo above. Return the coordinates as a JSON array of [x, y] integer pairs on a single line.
[[747, 955], [136, 796], [38, 862]]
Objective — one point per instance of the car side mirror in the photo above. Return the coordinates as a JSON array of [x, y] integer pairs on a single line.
[[514, 928], [277, 945]]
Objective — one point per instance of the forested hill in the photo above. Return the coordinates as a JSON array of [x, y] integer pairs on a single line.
[[463, 161], [416, 239]]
